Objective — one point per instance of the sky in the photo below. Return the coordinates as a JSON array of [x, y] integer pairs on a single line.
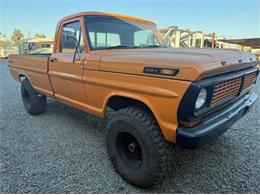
[[230, 18]]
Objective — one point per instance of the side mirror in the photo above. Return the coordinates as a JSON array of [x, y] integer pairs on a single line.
[[73, 39], [76, 44]]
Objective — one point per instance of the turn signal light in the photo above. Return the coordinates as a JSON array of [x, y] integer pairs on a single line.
[[190, 124]]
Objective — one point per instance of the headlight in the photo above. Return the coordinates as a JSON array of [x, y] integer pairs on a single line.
[[201, 100]]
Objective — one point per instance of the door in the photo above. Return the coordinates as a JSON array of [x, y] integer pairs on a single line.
[[65, 70]]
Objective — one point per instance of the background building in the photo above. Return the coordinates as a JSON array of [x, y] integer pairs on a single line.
[[177, 37], [38, 45]]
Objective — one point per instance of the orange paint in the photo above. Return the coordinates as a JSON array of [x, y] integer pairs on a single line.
[[90, 82]]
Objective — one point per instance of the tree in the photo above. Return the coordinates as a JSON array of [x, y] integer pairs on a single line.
[[37, 35], [2, 35], [17, 37], [3, 40]]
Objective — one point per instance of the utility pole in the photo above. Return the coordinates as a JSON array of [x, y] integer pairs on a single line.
[[213, 40]]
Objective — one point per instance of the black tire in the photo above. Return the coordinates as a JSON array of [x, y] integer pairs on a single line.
[[136, 147], [34, 102]]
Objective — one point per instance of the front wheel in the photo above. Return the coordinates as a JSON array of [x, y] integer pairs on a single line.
[[136, 146], [34, 102]]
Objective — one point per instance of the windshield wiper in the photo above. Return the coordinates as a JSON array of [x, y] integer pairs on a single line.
[[118, 47], [129, 47], [150, 46]]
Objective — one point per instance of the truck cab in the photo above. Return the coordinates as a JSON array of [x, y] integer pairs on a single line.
[[157, 95]]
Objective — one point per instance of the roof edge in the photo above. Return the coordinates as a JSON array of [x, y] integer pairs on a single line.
[[106, 14]]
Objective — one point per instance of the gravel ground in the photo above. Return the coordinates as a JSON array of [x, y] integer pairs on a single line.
[[63, 151]]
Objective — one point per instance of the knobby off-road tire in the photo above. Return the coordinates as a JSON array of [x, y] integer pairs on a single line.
[[34, 102], [136, 147]]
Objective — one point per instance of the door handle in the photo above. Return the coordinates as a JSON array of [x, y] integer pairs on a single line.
[[53, 59]]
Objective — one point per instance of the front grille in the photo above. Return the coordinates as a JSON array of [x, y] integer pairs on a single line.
[[249, 80], [230, 89]]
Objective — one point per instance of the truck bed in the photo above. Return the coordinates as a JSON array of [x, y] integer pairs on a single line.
[[33, 66]]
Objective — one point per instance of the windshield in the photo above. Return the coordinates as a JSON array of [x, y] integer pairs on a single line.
[[106, 32]]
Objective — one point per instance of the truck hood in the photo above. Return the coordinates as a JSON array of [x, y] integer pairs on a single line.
[[193, 64]]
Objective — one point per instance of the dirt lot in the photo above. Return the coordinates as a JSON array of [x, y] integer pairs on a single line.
[[63, 151]]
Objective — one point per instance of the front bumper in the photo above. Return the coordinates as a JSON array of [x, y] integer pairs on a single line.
[[211, 128]]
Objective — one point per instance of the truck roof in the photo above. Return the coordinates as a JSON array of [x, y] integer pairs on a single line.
[[106, 14]]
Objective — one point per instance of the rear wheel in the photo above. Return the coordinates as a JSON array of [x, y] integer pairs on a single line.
[[136, 146], [34, 102]]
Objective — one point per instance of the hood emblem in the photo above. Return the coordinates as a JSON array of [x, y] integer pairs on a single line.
[[161, 71]]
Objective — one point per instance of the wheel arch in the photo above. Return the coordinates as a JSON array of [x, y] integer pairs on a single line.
[[23, 76], [117, 101], [130, 99]]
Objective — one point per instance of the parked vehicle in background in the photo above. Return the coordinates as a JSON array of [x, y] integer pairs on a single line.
[[159, 95], [38, 46], [5, 51]]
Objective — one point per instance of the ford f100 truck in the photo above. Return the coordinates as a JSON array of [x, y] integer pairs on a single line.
[[159, 95]]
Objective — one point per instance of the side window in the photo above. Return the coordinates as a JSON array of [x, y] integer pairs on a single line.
[[104, 39], [71, 37], [46, 45], [144, 37]]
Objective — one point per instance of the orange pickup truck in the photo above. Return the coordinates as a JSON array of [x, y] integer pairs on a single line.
[[155, 95]]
